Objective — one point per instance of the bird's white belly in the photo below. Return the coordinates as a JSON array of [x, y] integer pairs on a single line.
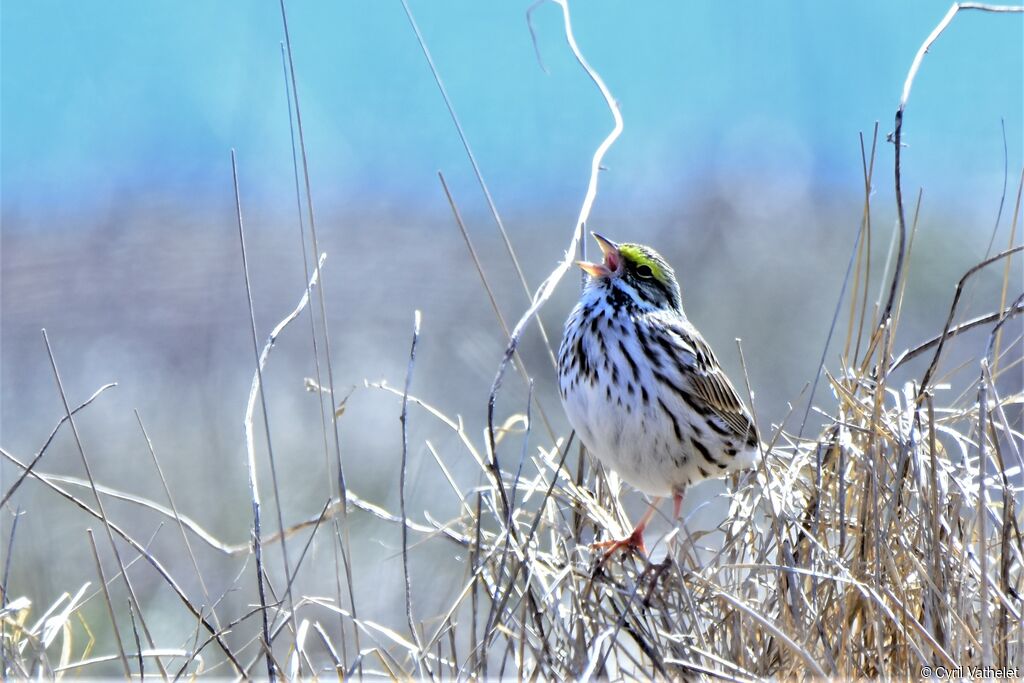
[[624, 442], [639, 444]]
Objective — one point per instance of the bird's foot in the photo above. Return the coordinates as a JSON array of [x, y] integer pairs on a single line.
[[633, 542]]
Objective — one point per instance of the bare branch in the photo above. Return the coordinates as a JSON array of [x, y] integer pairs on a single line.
[[897, 135]]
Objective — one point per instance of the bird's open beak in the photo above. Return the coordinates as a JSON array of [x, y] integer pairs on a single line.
[[612, 259]]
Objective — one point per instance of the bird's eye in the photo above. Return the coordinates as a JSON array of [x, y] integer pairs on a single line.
[[645, 271]]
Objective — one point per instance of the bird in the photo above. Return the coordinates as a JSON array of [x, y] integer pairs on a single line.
[[642, 388]]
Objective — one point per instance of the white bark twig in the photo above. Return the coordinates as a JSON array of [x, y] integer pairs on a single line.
[[547, 287]]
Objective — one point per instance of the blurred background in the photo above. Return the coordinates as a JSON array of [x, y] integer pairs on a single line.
[[740, 161]]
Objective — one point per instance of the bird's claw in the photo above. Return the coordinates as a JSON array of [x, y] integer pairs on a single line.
[[634, 542]]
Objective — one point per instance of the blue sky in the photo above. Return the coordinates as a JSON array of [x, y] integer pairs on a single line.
[[102, 102]]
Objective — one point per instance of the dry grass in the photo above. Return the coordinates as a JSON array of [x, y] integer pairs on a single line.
[[888, 542]]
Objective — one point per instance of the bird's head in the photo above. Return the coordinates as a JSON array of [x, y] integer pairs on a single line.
[[637, 270]]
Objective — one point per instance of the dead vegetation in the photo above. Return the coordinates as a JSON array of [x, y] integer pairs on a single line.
[[887, 542]]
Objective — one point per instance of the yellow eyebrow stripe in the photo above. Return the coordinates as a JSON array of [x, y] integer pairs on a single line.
[[636, 255]]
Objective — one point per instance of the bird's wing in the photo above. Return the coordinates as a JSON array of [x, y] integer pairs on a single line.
[[710, 383]]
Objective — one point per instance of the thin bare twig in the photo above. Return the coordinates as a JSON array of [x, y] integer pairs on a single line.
[[404, 418], [5, 588], [982, 517], [99, 503], [910, 354], [929, 373], [138, 642], [110, 606], [831, 328], [329, 481], [897, 135], [490, 295], [305, 549], [250, 447], [476, 171], [1006, 270], [49, 439], [342, 486], [177, 517]]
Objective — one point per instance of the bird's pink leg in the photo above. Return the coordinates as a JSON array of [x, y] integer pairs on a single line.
[[677, 505], [635, 541], [677, 508]]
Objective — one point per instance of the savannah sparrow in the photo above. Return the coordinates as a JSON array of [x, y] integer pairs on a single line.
[[642, 388]]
